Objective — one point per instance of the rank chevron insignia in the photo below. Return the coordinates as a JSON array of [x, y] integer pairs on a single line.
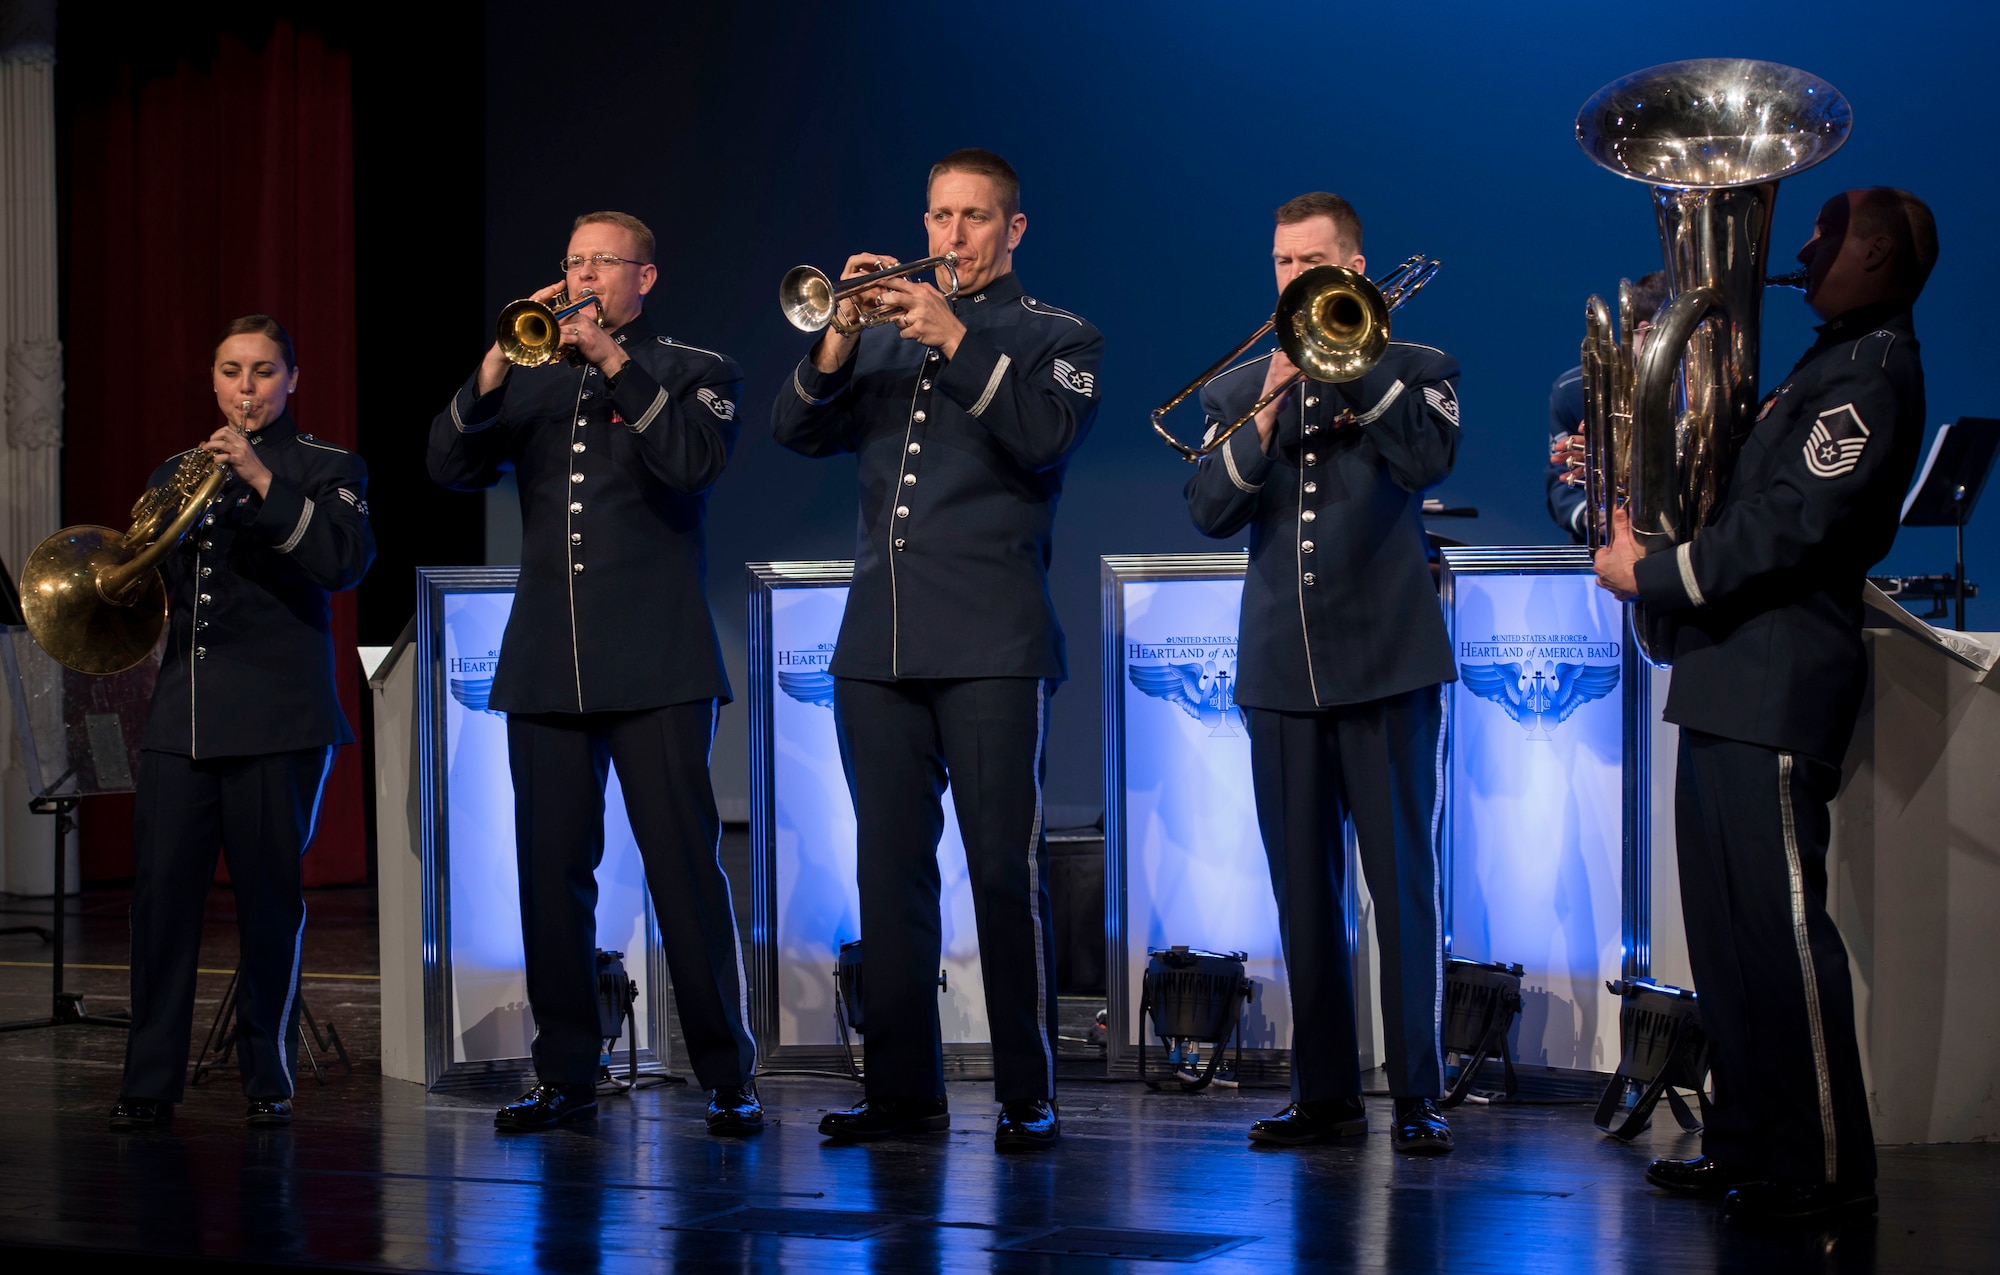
[[1070, 377], [722, 407], [1834, 446]]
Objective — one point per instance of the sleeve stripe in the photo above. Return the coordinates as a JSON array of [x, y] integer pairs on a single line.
[[298, 532], [459, 421], [992, 384], [810, 401], [1684, 559], [1374, 413], [659, 402], [1235, 475]]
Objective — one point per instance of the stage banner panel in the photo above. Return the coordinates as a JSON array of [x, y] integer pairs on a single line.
[[477, 1020], [1538, 831], [803, 834], [1184, 864]]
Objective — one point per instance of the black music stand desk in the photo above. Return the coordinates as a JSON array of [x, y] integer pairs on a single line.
[[1954, 473]]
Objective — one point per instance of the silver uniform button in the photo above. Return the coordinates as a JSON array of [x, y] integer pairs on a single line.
[[205, 599], [899, 542], [201, 652], [909, 480], [579, 422], [926, 385], [575, 508], [933, 357], [1311, 459], [589, 394], [576, 478], [576, 537], [920, 416], [577, 567], [576, 447], [1311, 488], [206, 572], [1312, 429], [1313, 401], [208, 544], [1307, 515], [902, 511], [1305, 546], [208, 521], [1307, 577], [915, 448]]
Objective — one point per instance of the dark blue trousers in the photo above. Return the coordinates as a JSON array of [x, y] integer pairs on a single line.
[[900, 742], [1376, 763], [560, 763], [1752, 827], [260, 814]]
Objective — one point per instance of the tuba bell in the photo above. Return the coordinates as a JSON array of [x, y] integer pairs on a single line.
[[1712, 137], [92, 597]]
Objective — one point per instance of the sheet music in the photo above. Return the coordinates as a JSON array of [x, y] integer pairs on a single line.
[[1923, 475], [1968, 650]]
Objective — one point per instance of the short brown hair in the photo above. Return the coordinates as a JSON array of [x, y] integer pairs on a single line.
[[1884, 210], [982, 163], [259, 325], [624, 221], [1320, 203]]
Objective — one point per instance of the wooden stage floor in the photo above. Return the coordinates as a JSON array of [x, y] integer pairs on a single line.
[[375, 1174]]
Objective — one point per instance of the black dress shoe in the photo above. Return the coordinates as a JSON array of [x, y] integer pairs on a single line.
[[1797, 1201], [269, 1112], [1420, 1128], [733, 1111], [1027, 1126], [886, 1118], [1703, 1175], [545, 1107], [135, 1114], [1304, 1123]]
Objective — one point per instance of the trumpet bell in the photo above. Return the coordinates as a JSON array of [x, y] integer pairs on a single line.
[[71, 619], [529, 334], [806, 296], [1333, 323]]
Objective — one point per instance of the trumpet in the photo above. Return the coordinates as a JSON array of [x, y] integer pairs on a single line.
[[530, 331], [1332, 322], [810, 297]]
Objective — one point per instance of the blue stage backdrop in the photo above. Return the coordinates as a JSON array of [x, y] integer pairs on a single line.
[[1153, 141]]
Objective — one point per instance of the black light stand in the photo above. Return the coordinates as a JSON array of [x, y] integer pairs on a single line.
[[66, 1008], [216, 1048]]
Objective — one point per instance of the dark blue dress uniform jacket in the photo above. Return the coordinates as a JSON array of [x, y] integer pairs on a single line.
[[610, 613], [961, 464], [1769, 593], [249, 664], [1338, 605]]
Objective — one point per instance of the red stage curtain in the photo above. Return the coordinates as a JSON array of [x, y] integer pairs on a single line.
[[201, 186]]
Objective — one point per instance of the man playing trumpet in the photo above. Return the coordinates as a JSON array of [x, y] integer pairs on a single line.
[[610, 658], [963, 415]]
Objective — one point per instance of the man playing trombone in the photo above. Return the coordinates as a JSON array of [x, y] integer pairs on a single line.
[[610, 655], [963, 416], [1343, 650]]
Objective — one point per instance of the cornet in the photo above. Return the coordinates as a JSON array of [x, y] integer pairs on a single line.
[[530, 331], [810, 297]]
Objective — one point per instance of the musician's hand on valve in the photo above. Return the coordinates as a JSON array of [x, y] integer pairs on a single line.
[[1568, 451], [926, 316], [1276, 373], [842, 337], [234, 449], [594, 344], [1616, 562]]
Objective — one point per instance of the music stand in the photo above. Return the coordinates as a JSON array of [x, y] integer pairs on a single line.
[[1947, 489], [79, 737]]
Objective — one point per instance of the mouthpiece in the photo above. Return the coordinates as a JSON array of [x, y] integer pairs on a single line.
[[1796, 279]]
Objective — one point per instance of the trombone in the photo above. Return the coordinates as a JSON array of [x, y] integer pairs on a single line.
[[1331, 321], [530, 331], [810, 297]]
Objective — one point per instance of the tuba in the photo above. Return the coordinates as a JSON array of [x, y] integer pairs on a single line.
[[92, 597], [1712, 137]]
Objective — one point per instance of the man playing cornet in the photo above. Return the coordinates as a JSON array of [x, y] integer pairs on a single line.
[[963, 414], [610, 658]]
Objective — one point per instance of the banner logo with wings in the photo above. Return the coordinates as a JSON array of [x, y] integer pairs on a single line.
[[1196, 675], [803, 675], [471, 681], [1540, 679]]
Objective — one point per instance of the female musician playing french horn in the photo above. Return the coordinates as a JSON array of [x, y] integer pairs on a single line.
[[243, 727]]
